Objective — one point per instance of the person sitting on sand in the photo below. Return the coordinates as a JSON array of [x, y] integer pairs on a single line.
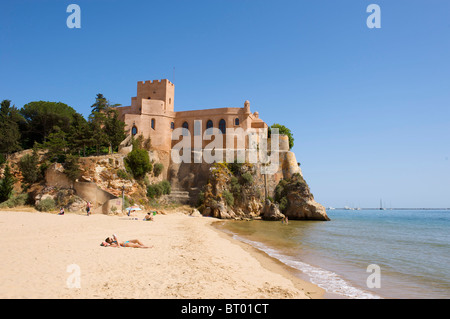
[[148, 217], [114, 242]]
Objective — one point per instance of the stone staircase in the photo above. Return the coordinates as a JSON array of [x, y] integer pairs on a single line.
[[179, 196]]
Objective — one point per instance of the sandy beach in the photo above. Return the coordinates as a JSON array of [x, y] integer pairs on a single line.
[[49, 256]]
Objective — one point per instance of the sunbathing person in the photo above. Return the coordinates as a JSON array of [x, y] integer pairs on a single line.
[[114, 242]]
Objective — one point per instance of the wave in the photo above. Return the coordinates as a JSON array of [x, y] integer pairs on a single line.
[[327, 280]]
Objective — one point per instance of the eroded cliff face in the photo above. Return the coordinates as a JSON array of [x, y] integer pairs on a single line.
[[241, 191], [222, 190]]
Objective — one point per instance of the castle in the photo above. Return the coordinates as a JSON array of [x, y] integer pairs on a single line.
[[152, 114]]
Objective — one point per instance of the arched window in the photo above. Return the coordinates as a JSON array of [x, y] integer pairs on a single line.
[[172, 125], [186, 126], [209, 126], [223, 126], [153, 123], [134, 130], [236, 121]]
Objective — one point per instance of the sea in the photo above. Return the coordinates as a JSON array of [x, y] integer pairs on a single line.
[[361, 254]]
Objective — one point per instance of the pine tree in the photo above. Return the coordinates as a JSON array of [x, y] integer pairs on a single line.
[[56, 144], [100, 103], [80, 135], [114, 129], [104, 123], [6, 185], [9, 129], [29, 166]]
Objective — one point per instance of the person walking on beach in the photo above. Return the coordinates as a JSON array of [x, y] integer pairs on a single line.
[[88, 208]]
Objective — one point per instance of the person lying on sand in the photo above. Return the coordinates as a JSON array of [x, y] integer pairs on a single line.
[[114, 242]]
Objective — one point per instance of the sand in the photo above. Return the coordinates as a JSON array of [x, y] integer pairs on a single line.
[[44, 255]]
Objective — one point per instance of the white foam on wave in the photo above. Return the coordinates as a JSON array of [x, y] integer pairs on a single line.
[[325, 279]]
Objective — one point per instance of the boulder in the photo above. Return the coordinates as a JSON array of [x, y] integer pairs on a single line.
[[271, 211], [195, 213]]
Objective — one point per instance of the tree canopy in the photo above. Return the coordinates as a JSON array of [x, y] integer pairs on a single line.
[[61, 130], [9, 128], [283, 130]]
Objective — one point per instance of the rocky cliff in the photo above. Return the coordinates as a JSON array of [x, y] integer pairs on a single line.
[[222, 190], [236, 191]]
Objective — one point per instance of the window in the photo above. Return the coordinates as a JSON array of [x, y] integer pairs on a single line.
[[209, 125], [186, 126], [134, 130], [172, 125], [153, 123], [236, 121], [170, 100], [222, 126]]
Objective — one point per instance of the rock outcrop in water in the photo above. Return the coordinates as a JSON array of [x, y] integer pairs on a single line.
[[298, 201], [238, 191]]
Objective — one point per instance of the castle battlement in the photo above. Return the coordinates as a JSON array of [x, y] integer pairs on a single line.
[[154, 82]]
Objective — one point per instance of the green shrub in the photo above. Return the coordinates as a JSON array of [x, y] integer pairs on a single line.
[[46, 205], [283, 130], [200, 199], [235, 186], [158, 189], [71, 167], [122, 174], [235, 167], [151, 191], [247, 177], [6, 184], [157, 169], [138, 163], [166, 187], [15, 200], [29, 167], [280, 190], [229, 198], [283, 204]]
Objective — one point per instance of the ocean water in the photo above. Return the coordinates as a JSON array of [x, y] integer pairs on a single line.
[[410, 247]]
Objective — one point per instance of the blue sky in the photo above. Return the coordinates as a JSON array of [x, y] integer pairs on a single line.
[[369, 108]]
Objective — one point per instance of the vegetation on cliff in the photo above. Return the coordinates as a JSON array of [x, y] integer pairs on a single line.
[[6, 185], [59, 128], [238, 191], [283, 130], [230, 192]]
